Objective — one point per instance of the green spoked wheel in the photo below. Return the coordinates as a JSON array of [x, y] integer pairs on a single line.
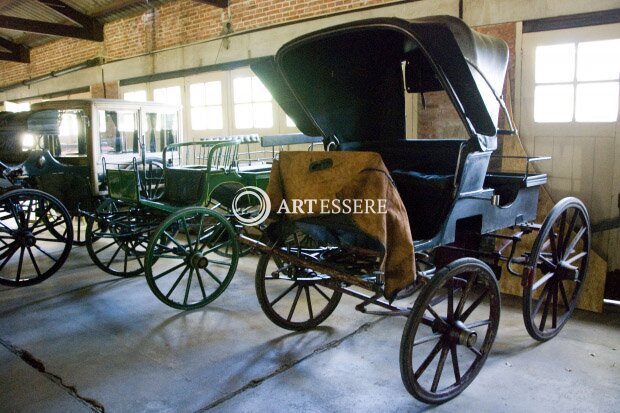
[[450, 331], [117, 238], [293, 297], [558, 267], [183, 267], [35, 237]]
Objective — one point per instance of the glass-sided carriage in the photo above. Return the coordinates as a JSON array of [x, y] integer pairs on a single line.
[[347, 84], [52, 173]]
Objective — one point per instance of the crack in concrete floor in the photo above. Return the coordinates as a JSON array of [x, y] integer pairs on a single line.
[[38, 365], [258, 381]]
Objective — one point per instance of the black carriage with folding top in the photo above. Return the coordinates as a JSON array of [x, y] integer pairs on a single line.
[[347, 84]]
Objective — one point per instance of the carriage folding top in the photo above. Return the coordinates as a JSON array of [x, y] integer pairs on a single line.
[[346, 82]]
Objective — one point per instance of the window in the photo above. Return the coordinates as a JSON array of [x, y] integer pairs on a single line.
[[577, 81], [72, 133], [118, 131], [206, 105], [16, 107], [253, 107], [160, 129], [170, 95], [135, 96]]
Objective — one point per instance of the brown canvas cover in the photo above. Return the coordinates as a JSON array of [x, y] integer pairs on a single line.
[[349, 176]]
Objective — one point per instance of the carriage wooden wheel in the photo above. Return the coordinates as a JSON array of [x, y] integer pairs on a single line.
[[35, 237]]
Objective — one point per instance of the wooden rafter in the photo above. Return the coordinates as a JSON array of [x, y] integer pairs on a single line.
[[217, 3], [89, 28], [15, 52]]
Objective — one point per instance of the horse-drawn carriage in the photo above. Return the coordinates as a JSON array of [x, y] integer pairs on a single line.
[[52, 163], [347, 83]]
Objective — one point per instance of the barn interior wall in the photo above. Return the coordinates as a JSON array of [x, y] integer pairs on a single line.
[[187, 34]]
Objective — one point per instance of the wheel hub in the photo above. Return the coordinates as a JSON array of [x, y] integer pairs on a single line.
[[566, 271], [456, 332], [198, 261], [26, 239]]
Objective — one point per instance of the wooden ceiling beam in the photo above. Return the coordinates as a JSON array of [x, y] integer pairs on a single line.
[[15, 52], [53, 29], [217, 3], [90, 24]]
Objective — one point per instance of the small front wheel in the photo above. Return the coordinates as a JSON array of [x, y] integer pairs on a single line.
[[293, 297], [450, 331], [183, 268]]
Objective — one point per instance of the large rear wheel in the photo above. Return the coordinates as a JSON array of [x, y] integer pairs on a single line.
[[35, 237], [557, 267]]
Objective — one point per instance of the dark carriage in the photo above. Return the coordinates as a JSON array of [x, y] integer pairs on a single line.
[[347, 84], [52, 177]]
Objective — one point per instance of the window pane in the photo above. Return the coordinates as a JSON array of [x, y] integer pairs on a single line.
[[135, 96], [214, 93], [598, 60], [170, 95], [553, 103], [263, 115], [555, 64], [597, 102], [243, 116], [197, 94], [242, 87], [259, 91], [214, 117], [16, 107], [199, 118]]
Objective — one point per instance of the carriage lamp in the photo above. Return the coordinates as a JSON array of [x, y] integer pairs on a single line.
[[27, 141]]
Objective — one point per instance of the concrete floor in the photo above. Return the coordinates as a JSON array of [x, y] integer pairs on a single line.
[[84, 341]]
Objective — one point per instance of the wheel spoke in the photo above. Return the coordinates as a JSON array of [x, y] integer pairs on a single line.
[[7, 256], [450, 302], [290, 314], [542, 280], [564, 297], [461, 304], [307, 288], [120, 246], [546, 309], [430, 310], [320, 292], [477, 324], [554, 308], [426, 339], [168, 271], [455, 364], [189, 242], [554, 246], [576, 257], [541, 299], [178, 280], [474, 305], [19, 266], [442, 361], [48, 255], [569, 231], [188, 286], [575, 240], [427, 361], [217, 280], [201, 284], [34, 262], [561, 234]]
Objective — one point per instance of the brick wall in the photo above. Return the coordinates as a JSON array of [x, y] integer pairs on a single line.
[[172, 24], [439, 119]]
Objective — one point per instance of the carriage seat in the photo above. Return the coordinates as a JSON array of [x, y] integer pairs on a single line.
[[184, 186], [427, 198]]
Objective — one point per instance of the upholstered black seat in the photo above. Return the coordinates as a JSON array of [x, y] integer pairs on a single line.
[[427, 199]]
